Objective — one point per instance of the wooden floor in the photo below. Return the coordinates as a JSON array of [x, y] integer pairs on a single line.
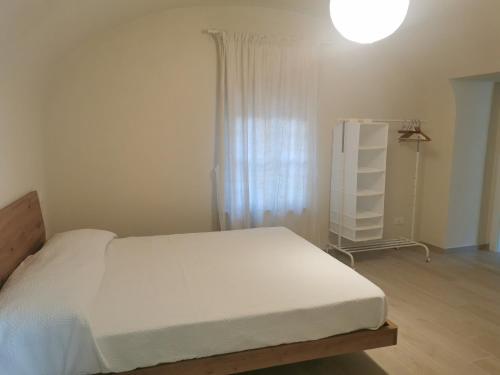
[[448, 314]]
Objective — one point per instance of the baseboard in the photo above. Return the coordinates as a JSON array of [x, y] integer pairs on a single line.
[[483, 247], [435, 249]]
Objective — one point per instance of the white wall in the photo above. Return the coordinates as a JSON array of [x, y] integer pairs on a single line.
[[21, 133], [131, 118], [473, 110], [467, 43], [130, 97], [131, 121]]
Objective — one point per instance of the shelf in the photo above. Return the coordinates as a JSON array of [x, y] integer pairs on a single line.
[[367, 239], [374, 135], [362, 220], [366, 170], [360, 228], [369, 193], [372, 148], [371, 227], [368, 215], [358, 235]]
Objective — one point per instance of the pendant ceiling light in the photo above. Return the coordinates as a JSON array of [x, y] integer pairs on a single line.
[[368, 21]]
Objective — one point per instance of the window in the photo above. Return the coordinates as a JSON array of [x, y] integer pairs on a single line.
[[268, 168]]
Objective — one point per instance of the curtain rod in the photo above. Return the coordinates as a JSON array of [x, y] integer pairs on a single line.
[[217, 31], [389, 121]]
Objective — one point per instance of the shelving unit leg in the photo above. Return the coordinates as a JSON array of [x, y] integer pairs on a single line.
[[399, 243]]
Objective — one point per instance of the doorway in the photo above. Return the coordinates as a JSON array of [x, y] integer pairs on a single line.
[[474, 211], [491, 192]]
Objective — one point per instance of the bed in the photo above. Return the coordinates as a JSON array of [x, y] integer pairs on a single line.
[[202, 303]]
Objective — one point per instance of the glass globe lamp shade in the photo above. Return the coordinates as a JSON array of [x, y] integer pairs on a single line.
[[368, 21]]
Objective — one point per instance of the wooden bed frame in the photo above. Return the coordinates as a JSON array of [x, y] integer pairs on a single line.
[[22, 233]]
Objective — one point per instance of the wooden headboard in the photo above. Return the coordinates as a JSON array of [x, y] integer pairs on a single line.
[[22, 233]]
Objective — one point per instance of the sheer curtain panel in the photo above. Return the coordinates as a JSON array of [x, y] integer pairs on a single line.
[[266, 132]]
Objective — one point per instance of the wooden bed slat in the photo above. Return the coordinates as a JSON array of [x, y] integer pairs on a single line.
[[248, 360], [22, 233]]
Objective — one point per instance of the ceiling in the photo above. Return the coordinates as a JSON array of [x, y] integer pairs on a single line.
[[41, 30]]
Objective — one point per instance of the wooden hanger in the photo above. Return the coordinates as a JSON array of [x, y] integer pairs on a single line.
[[412, 132]]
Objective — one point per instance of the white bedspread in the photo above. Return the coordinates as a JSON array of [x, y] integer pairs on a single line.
[[88, 303], [44, 306], [177, 297]]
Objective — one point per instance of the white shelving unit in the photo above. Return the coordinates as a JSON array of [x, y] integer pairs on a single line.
[[358, 179], [358, 186]]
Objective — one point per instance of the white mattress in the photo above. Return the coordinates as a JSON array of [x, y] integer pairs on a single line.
[[170, 298]]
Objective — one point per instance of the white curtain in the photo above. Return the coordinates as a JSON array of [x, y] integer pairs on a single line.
[[266, 124]]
